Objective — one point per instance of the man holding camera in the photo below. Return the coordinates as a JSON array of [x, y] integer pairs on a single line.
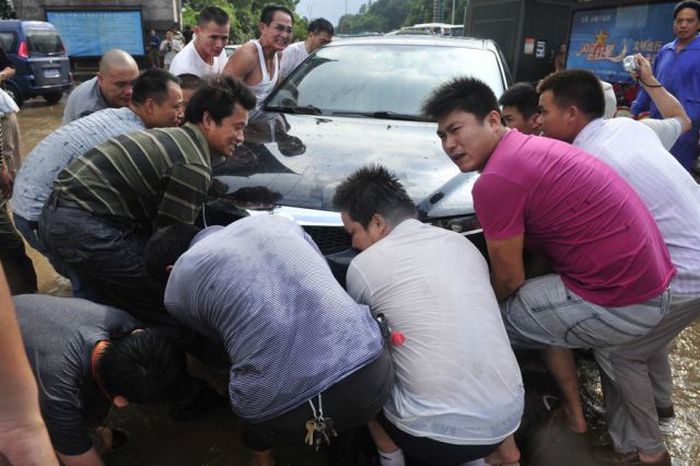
[[169, 48], [674, 63]]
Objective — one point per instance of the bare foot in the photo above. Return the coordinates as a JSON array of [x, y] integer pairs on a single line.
[[576, 422], [655, 458], [506, 453]]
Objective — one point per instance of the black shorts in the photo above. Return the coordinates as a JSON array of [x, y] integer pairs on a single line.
[[351, 403], [431, 452]]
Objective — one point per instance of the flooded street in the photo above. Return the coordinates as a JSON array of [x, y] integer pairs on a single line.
[[154, 438]]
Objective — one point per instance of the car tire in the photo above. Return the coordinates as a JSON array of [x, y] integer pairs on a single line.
[[53, 97], [14, 92]]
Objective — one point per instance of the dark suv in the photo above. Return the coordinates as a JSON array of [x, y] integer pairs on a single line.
[[354, 102], [42, 67]]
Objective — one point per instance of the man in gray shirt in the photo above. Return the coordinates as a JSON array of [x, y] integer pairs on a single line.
[[112, 87], [87, 357]]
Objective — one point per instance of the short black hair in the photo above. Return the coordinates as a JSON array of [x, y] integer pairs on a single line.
[[218, 95], [522, 96], [321, 25], [142, 366], [212, 13], [374, 190], [164, 248], [189, 81], [692, 4], [468, 94], [268, 12], [152, 84], [579, 88]]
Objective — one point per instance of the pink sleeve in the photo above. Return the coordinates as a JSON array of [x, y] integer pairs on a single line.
[[500, 206]]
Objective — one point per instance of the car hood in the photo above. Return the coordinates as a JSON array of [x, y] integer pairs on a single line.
[[299, 160]]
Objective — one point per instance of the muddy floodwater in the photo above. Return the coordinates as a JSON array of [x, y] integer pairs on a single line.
[[155, 439]]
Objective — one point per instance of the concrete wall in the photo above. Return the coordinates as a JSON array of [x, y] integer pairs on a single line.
[[157, 14]]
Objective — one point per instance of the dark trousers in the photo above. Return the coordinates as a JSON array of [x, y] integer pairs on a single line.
[[351, 403], [19, 269], [106, 253], [431, 452]]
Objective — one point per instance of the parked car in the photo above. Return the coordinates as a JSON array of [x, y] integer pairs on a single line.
[[230, 48], [354, 102], [42, 67]]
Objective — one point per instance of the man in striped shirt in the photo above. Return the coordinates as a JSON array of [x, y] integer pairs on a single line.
[[106, 203], [299, 347], [157, 102]]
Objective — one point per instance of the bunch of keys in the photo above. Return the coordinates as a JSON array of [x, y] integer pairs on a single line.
[[319, 429]]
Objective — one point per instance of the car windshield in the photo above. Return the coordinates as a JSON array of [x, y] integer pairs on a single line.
[[44, 42], [381, 81]]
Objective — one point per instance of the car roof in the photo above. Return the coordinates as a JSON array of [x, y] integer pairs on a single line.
[[408, 39]]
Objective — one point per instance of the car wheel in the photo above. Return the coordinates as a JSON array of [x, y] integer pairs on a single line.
[[13, 92], [53, 97]]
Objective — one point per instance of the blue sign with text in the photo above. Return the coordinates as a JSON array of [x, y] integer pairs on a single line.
[[90, 33], [601, 38]]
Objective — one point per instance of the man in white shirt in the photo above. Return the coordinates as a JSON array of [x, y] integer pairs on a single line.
[[448, 405], [572, 106], [169, 48], [320, 33], [256, 62], [205, 53]]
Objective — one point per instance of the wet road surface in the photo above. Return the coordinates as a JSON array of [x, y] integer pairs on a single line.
[[156, 439]]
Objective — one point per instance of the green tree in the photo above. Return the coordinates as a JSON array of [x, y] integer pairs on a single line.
[[6, 11], [244, 14]]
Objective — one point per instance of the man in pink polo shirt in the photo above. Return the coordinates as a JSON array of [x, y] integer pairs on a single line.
[[611, 268]]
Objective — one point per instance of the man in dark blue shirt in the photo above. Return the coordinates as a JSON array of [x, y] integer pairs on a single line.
[[676, 67]]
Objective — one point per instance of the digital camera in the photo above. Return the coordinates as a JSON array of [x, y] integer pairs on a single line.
[[630, 64]]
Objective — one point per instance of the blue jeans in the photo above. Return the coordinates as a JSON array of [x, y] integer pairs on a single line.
[[108, 255]]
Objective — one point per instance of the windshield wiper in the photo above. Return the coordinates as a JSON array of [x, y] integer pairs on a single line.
[[305, 110], [384, 115]]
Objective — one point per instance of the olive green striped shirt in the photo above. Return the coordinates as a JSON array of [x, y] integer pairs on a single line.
[[155, 177]]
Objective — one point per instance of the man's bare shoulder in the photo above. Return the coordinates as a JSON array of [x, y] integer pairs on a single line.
[[243, 61]]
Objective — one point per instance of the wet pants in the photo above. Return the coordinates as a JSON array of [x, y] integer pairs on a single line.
[[628, 387]]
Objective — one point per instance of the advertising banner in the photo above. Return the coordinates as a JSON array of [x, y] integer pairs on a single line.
[[601, 38]]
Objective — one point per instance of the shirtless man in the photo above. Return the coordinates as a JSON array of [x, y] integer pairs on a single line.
[[257, 62]]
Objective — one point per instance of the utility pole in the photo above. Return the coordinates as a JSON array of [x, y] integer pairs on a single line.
[[437, 11], [453, 11]]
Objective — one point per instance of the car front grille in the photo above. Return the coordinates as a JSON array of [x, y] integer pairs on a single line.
[[330, 240]]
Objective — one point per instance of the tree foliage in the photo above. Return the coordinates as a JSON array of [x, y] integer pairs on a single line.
[[388, 15], [6, 11], [244, 14]]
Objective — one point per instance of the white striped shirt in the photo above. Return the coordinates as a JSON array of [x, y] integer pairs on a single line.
[[668, 190], [261, 287], [34, 181]]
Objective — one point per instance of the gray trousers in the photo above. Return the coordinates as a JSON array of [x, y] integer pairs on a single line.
[[545, 313], [628, 383]]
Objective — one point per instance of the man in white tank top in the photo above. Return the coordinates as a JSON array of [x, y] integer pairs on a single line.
[[257, 62]]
